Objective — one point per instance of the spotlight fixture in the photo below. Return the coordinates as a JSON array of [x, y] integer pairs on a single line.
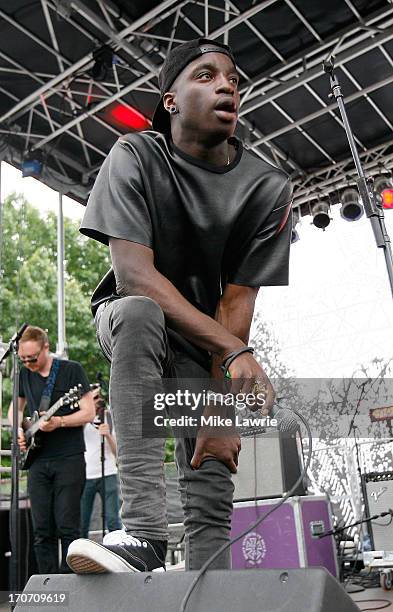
[[387, 199], [351, 207], [383, 188], [320, 215], [103, 59], [32, 165], [295, 220]]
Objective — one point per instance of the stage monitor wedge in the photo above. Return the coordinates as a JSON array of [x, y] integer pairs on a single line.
[[292, 590]]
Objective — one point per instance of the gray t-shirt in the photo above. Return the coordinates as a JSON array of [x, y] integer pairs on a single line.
[[208, 225]]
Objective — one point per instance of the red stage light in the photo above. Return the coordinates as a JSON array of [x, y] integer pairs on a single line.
[[129, 117], [387, 198]]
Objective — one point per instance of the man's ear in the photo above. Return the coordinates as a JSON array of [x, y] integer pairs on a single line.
[[169, 99]]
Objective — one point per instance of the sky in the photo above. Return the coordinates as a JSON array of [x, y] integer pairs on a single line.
[[42, 197], [337, 312]]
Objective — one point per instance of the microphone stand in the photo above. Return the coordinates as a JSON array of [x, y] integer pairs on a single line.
[[353, 427], [101, 417], [367, 519], [103, 385], [103, 507], [374, 210], [349, 587], [14, 510], [356, 411]]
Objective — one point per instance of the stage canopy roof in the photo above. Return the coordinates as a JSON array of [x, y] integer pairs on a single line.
[[76, 74]]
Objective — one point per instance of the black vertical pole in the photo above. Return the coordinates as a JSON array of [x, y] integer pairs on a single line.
[[14, 514], [103, 479]]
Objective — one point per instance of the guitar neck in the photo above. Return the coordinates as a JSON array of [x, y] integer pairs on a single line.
[[53, 409], [45, 417]]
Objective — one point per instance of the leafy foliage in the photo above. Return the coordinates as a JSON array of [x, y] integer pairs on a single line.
[[29, 281]]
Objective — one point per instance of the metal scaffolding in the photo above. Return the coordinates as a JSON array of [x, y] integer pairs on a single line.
[[56, 116]]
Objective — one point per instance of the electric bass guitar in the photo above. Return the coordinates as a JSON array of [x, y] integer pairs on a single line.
[[31, 426]]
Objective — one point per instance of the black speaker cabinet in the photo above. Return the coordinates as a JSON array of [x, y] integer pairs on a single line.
[[292, 590], [28, 565]]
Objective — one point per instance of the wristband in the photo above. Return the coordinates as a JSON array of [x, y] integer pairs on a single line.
[[232, 356], [62, 422]]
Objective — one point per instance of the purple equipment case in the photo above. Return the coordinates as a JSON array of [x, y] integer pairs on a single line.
[[287, 538]]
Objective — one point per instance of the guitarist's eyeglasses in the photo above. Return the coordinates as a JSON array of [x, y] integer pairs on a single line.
[[31, 359]]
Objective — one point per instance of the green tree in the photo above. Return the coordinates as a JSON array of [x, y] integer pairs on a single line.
[[28, 290]]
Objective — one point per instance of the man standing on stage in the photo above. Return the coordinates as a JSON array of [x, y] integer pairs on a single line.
[[195, 224], [57, 475]]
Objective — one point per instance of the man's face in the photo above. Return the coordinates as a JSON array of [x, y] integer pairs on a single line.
[[207, 96], [33, 354]]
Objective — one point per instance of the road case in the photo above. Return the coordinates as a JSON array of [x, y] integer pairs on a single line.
[[287, 538]]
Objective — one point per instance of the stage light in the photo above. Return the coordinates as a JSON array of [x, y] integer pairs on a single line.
[[387, 199], [295, 220], [351, 207], [320, 215], [383, 188], [32, 165], [103, 58], [128, 117]]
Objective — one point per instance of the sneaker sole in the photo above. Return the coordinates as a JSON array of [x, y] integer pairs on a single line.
[[88, 557]]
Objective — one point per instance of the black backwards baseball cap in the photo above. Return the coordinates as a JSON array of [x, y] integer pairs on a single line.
[[174, 63]]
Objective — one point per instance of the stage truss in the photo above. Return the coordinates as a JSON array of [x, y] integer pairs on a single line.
[[51, 106]]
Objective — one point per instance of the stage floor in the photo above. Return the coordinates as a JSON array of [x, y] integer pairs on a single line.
[[374, 594]]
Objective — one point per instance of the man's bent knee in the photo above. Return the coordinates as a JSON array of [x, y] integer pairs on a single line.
[[137, 310]]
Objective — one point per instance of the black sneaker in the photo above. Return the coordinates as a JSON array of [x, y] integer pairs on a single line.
[[119, 552]]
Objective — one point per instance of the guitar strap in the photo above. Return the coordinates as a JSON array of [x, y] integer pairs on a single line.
[[50, 383]]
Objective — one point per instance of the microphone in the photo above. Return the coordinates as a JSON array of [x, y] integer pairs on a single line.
[[13, 342], [17, 336], [286, 420], [328, 64]]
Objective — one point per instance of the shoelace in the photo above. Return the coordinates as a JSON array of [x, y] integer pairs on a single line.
[[120, 537], [131, 541]]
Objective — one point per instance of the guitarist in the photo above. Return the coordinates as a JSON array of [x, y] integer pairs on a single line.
[[57, 476]]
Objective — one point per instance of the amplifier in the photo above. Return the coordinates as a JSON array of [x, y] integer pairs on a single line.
[[379, 498], [28, 565], [269, 465]]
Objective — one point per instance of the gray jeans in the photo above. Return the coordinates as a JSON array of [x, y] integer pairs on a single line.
[[132, 334]]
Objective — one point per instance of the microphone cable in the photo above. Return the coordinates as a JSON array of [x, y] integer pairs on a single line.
[[218, 552]]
